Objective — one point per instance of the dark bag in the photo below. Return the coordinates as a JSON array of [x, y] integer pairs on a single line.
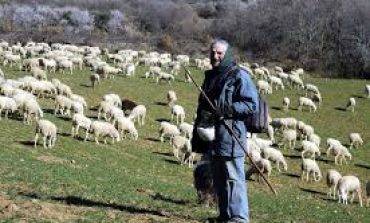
[[258, 122]]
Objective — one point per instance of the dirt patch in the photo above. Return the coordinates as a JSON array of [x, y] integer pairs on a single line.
[[52, 159]]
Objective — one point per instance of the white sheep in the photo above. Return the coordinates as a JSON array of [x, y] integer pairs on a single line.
[[306, 131], [62, 105], [78, 98], [179, 112], [290, 136], [351, 104], [311, 88], [275, 156], [165, 76], [114, 99], [38, 73], [65, 64], [277, 82], [7, 104], [94, 79], [332, 179], [77, 107], [104, 129], [264, 87], [169, 130], [32, 108], [171, 98], [355, 140], [346, 185], [48, 130], [186, 129], [130, 69], [315, 139], [104, 107], [330, 143], [139, 113], [310, 147], [295, 80], [367, 90], [310, 167], [178, 143], [114, 113], [339, 151], [79, 120], [303, 101], [286, 103], [126, 125]]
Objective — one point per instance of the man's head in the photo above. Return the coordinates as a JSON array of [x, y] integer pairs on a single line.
[[218, 51]]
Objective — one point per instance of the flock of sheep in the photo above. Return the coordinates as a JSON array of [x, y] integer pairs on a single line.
[[116, 117], [285, 132]]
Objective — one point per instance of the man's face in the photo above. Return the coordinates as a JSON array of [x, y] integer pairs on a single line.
[[217, 54]]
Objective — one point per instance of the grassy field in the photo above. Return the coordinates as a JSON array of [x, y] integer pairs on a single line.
[[139, 181]]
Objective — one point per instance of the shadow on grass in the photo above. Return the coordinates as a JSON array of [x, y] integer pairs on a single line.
[[95, 108], [161, 197], [326, 160], [160, 103], [295, 109], [86, 85], [48, 110], [362, 165], [162, 120], [92, 116], [276, 108], [64, 118], [313, 191], [29, 143], [78, 201], [295, 175], [340, 108], [357, 96], [152, 139], [65, 134], [164, 154], [293, 156], [172, 161]]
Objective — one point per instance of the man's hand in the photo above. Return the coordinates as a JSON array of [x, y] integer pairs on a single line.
[[219, 114]]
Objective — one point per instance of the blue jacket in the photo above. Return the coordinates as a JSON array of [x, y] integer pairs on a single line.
[[235, 96]]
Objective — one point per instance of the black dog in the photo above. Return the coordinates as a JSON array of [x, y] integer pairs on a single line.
[[203, 183]]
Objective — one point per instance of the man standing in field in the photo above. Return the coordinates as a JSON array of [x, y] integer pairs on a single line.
[[235, 97]]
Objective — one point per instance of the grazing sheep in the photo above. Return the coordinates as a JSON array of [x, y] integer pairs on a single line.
[[271, 133], [277, 82], [315, 139], [139, 113], [311, 88], [7, 104], [346, 185], [165, 76], [303, 101], [310, 166], [351, 104], [275, 156], [179, 142], [62, 104], [179, 111], [171, 98], [77, 107], [332, 179], [48, 130], [367, 90], [306, 131], [65, 64], [169, 130], [186, 129], [339, 151], [264, 87], [290, 136], [316, 97], [126, 125], [310, 147], [94, 79], [330, 143], [38, 73], [355, 140], [286, 103], [130, 69], [114, 113], [78, 98], [32, 108], [79, 120], [113, 99], [104, 129], [295, 80], [104, 107], [63, 89], [265, 167]]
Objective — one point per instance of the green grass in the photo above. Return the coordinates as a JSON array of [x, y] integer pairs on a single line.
[[135, 181]]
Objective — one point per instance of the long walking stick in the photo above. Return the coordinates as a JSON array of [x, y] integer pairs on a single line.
[[230, 130]]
